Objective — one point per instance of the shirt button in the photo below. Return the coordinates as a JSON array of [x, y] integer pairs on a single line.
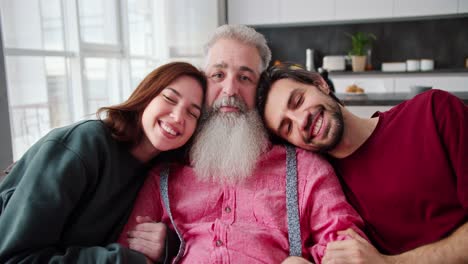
[[227, 209], [219, 243]]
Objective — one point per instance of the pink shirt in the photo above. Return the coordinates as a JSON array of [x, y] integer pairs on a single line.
[[247, 223]]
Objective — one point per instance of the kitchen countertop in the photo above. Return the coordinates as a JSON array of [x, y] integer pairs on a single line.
[[369, 99]]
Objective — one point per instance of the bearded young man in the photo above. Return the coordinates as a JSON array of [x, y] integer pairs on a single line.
[[229, 206], [404, 170]]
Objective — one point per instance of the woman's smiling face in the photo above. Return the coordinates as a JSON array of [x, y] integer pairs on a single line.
[[171, 117]]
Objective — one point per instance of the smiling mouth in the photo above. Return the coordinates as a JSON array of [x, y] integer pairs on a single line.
[[318, 125], [314, 125], [168, 129]]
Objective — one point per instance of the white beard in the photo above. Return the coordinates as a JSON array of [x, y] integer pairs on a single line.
[[227, 147]]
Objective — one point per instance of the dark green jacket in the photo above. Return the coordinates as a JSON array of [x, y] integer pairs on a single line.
[[68, 198]]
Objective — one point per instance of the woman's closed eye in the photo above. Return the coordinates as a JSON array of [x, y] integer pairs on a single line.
[[170, 99], [193, 113]]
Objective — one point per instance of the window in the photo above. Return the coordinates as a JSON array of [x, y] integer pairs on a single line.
[[98, 21], [141, 29], [38, 93], [70, 57], [43, 30], [102, 83]]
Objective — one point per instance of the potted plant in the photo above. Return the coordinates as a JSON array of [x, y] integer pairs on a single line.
[[360, 43]]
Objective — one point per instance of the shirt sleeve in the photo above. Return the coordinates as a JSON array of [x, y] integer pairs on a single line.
[[36, 209], [148, 203], [324, 205], [451, 116]]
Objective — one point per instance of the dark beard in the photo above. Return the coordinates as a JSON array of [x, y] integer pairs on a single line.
[[336, 135]]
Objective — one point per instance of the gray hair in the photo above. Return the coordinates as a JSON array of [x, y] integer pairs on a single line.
[[245, 35]]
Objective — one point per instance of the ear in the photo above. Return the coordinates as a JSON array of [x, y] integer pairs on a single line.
[[323, 86]]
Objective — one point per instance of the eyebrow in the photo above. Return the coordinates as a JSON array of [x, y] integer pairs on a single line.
[[247, 69], [289, 106], [223, 65], [179, 95]]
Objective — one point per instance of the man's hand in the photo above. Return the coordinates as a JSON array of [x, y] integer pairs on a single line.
[[148, 237], [354, 250], [295, 260]]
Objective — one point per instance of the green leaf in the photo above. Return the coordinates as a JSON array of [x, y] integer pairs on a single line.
[[360, 42]]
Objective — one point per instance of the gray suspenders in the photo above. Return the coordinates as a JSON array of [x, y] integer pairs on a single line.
[[164, 189], [294, 230]]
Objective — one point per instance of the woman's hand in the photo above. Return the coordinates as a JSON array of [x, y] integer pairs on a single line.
[[148, 237]]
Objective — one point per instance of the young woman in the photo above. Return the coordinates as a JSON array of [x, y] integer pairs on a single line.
[[68, 197]]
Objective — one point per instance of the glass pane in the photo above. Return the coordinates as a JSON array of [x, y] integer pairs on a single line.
[[102, 83], [32, 24], [190, 24], [139, 70], [58, 94], [140, 27], [38, 98], [52, 24], [137, 74], [98, 21]]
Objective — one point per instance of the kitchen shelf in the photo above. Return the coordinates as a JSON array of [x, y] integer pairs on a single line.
[[374, 73]]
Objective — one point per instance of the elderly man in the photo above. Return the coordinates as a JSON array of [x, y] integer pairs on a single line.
[[404, 170], [229, 206]]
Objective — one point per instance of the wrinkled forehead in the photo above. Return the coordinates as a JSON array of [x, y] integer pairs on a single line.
[[233, 54]]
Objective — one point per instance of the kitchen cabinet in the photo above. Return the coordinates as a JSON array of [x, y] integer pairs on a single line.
[[253, 12], [276, 12], [363, 9], [406, 8], [462, 6], [297, 11]]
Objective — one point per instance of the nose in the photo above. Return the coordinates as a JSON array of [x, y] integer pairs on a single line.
[[299, 119], [178, 115], [230, 86]]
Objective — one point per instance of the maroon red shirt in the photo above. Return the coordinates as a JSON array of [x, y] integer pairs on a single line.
[[409, 180]]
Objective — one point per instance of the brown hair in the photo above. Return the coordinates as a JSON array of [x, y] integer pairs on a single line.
[[124, 119]]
